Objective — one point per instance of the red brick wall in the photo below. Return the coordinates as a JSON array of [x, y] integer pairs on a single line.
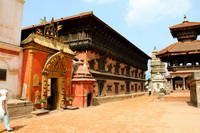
[[89, 55]]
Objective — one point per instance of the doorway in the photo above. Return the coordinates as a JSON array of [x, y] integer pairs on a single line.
[[53, 94], [89, 99]]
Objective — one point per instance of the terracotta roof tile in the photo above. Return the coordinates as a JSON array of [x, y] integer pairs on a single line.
[[185, 24], [188, 46]]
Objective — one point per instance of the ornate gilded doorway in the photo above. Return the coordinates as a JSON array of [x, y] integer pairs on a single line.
[[53, 81]]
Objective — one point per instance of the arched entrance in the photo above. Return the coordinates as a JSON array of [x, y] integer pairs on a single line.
[[53, 83]]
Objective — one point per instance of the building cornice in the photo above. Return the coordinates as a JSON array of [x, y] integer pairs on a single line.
[[10, 47], [21, 1]]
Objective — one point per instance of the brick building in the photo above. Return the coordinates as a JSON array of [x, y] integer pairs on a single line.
[[117, 65]]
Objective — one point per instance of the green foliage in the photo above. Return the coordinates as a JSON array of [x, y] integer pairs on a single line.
[[43, 101], [70, 99]]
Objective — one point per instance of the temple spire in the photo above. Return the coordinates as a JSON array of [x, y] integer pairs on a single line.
[[154, 49]]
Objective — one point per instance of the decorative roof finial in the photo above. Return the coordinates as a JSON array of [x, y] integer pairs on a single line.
[[50, 30], [154, 49], [185, 19]]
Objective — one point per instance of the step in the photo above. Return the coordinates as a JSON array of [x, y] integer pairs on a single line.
[[40, 112], [19, 108]]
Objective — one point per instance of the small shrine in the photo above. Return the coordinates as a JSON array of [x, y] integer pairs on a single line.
[[47, 67], [158, 82], [83, 86]]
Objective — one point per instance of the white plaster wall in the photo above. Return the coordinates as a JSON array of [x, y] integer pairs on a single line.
[[11, 21], [12, 63], [10, 34]]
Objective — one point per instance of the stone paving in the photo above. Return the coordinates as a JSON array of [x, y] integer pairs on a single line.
[[138, 115]]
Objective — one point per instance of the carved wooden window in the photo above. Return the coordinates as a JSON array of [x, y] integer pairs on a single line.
[[122, 87], [122, 71], [139, 88], [92, 63], [136, 73], [110, 68], [101, 64], [128, 71], [117, 68], [139, 75], [136, 88], [109, 87], [3, 74], [132, 87], [133, 73]]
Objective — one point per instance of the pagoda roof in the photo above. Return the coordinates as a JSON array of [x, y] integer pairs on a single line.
[[179, 48], [48, 43], [185, 24], [90, 15]]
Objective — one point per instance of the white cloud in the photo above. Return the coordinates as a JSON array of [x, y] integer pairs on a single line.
[[142, 12], [100, 1]]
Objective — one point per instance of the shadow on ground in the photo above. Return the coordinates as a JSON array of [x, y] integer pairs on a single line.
[[16, 128], [190, 104]]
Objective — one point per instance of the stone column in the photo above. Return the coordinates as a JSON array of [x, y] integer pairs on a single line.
[[30, 83], [184, 83], [172, 84], [194, 83]]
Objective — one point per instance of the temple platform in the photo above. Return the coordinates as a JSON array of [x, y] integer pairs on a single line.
[[19, 108], [178, 96], [106, 99]]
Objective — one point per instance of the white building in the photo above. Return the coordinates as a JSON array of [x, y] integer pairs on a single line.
[[10, 50]]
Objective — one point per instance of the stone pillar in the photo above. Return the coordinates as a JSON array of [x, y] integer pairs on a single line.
[[194, 84], [184, 83], [30, 83], [172, 84], [82, 86]]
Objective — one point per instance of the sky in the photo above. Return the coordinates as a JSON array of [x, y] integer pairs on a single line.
[[145, 23]]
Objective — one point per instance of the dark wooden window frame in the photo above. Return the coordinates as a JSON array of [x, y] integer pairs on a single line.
[[3, 74]]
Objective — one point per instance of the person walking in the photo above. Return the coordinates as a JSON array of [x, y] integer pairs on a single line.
[[4, 115]]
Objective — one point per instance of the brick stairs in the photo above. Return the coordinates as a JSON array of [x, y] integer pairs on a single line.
[[178, 96]]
